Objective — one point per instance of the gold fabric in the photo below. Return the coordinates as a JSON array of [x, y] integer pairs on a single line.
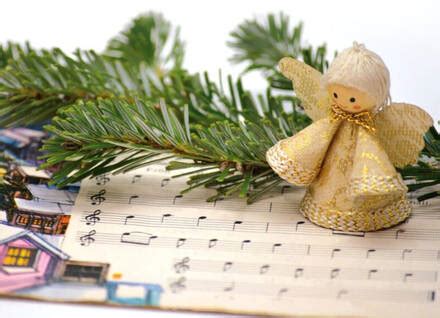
[[298, 159], [307, 83], [352, 175], [400, 129]]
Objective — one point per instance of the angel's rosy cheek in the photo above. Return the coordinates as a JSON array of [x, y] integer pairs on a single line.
[[357, 107]]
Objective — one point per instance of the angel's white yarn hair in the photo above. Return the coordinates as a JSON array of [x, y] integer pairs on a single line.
[[362, 69]]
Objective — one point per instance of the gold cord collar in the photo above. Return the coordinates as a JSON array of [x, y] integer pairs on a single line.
[[364, 119]]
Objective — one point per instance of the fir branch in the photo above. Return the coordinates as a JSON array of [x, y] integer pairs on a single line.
[[226, 156], [35, 85], [262, 45], [149, 39], [11, 51], [426, 173]]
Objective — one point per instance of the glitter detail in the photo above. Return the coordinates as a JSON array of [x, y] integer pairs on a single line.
[[356, 220]]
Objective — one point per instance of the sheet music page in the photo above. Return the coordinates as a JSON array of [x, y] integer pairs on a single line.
[[260, 258]]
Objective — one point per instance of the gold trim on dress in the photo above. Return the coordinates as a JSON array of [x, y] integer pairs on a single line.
[[356, 220]]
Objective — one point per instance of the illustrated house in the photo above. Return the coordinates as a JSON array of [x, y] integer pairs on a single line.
[[29, 174], [23, 143], [26, 259], [40, 216]]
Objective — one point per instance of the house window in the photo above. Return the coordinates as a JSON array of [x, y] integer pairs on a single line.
[[20, 257], [22, 219], [86, 272], [49, 224], [36, 222]]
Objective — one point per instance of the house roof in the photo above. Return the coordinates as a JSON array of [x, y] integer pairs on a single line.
[[33, 172], [10, 233], [31, 133], [41, 206], [43, 192]]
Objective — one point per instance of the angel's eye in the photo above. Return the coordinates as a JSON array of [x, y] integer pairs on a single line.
[[335, 95], [352, 99]]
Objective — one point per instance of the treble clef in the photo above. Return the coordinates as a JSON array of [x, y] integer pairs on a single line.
[[178, 285], [87, 239], [102, 179], [93, 217], [182, 266], [98, 198]]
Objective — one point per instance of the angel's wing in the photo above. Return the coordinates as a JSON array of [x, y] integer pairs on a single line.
[[400, 128], [307, 84]]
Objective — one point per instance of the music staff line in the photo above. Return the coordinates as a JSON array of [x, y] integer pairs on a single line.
[[294, 292], [185, 265], [429, 212], [257, 247], [301, 227]]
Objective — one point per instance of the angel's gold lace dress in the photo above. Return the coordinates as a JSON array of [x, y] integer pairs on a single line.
[[353, 186], [347, 163]]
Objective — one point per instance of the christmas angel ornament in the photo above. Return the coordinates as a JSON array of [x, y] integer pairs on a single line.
[[347, 157]]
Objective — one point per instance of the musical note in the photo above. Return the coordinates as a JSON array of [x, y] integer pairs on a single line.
[[298, 224], [334, 251], [371, 272], [341, 293], [167, 215], [264, 269], [299, 272], [199, 219], [281, 292], [334, 273], [140, 238], [406, 276], [180, 242], [87, 239], [164, 182], [102, 179], [92, 218], [406, 251], [284, 188], [212, 243], [98, 198], [227, 266], [216, 200], [244, 242], [178, 285], [370, 251], [229, 287], [274, 246], [179, 196], [398, 232], [182, 266], [136, 178], [132, 197], [128, 217], [235, 224]]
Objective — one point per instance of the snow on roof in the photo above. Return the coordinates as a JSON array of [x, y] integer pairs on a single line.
[[31, 133], [42, 192], [44, 207], [33, 172], [16, 136], [10, 233]]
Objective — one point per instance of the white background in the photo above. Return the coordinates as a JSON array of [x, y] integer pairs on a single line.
[[405, 33]]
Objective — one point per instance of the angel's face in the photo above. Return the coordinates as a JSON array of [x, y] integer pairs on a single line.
[[350, 99]]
